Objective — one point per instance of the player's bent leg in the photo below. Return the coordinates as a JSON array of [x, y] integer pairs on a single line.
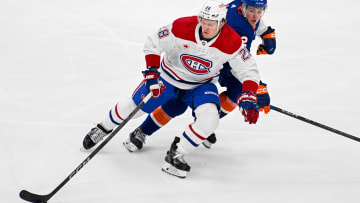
[[175, 163], [115, 116], [207, 120], [210, 140], [95, 135], [157, 119], [153, 122], [135, 141], [227, 106]]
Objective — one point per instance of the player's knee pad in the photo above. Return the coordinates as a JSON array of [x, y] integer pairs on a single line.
[[207, 118]]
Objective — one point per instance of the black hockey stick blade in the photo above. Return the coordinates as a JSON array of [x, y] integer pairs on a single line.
[[315, 123], [30, 197]]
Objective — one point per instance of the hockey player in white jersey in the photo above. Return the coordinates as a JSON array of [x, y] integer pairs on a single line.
[[194, 48]]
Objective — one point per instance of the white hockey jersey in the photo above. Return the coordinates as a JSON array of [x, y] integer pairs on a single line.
[[189, 62]]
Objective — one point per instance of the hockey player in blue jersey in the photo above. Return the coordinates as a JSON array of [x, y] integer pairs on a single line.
[[244, 16]]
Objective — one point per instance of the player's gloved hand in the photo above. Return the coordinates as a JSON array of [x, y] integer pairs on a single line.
[[269, 42], [263, 97], [152, 82], [248, 106], [261, 50]]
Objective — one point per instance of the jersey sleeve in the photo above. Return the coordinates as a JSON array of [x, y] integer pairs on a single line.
[[154, 45], [244, 68], [262, 27]]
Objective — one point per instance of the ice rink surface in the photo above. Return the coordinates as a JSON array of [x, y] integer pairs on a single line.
[[64, 64]]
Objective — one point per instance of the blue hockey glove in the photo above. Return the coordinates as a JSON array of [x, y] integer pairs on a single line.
[[263, 97], [152, 82], [269, 42], [247, 102]]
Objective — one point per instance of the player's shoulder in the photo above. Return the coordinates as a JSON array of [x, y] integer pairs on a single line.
[[184, 28], [234, 9], [228, 41]]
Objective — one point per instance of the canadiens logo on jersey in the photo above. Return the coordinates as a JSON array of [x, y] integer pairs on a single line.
[[195, 64]]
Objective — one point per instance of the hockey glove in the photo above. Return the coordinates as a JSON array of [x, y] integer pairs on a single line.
[[152, 82], [263, 97], [269, 42], [248, 106]]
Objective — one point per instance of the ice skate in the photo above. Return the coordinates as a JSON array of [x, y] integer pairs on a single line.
[[95, 135], [209, 141], [136, 140], [174, 161]]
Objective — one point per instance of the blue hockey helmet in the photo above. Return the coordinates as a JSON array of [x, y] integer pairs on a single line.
[[255, 3]]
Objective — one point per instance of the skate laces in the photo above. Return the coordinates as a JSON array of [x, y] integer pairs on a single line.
[[97, 135], [180, 157], [140, 135]]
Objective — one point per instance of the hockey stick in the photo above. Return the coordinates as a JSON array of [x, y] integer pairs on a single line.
[[315, 123], [31, 197]]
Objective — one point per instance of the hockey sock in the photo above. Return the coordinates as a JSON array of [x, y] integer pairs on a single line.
[[227, 105], [157, 119], [207, 120]]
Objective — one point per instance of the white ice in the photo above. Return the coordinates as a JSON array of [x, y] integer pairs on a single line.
[[64, 64]]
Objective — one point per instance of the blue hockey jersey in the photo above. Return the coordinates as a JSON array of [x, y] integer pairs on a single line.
[[238, 22]]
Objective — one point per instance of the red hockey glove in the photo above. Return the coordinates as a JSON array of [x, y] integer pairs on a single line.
[[248, 106], [152, 82], [263, 97], [269, 42]]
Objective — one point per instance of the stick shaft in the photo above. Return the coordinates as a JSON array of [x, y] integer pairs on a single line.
[[44, 198], [315, 123]]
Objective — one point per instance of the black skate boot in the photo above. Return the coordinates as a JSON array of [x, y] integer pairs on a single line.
[[94, 136], [174, 161], [209, 141], [136, 140]]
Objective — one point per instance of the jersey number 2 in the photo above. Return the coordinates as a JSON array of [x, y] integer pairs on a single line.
[[245, 54]]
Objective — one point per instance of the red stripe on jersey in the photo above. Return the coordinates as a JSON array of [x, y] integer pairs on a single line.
[[197, 135]]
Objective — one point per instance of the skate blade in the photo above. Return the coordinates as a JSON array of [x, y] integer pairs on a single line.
[[207, 144], [130, 146], [168, 168]]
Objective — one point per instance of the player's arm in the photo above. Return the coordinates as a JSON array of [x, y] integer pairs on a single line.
[[263, 98], [244, 68], [153, 48], [268, 37]]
